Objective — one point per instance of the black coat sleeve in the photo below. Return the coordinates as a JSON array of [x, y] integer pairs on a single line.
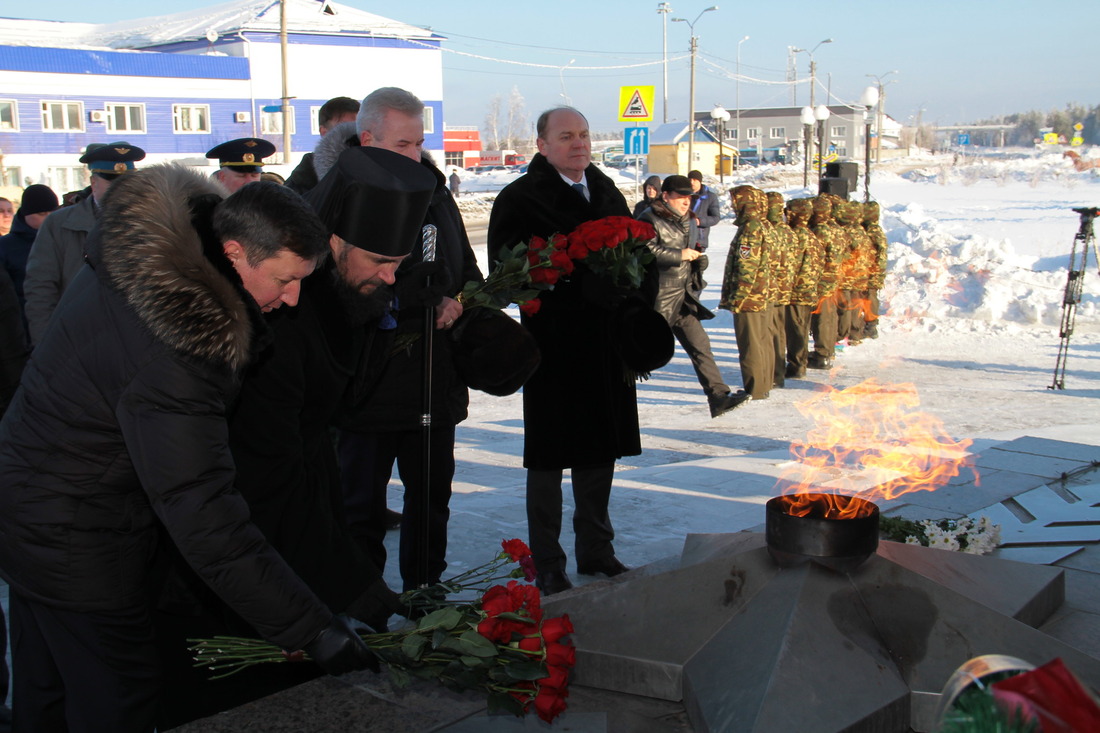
[[172, 418]]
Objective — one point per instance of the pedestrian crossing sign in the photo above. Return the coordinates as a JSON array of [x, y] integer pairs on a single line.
[[635, 104]]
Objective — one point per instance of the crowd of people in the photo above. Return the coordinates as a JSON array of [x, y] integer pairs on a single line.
[[206, 384]]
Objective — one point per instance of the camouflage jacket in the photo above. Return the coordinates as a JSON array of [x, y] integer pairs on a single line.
[[809, 256], [746, 282]]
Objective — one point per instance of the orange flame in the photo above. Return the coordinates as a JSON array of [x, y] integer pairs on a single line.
[[869, 440]]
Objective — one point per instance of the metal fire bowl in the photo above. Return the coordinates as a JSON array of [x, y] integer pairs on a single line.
[[838, 544]]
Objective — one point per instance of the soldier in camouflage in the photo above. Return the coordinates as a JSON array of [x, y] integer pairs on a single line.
[[781, 245], [745, 288], [855, 269], [878, 271], [823, 321], [808, 256]]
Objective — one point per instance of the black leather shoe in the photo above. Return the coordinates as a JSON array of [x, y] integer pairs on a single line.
[[793, 372], [609, 566], [817, 362], [553, 581], [720, 405]]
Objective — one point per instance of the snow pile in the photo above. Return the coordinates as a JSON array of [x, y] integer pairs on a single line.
[[1031, 167], [934, 274]]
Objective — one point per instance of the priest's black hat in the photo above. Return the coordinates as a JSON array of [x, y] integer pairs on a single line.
[[375, 199]]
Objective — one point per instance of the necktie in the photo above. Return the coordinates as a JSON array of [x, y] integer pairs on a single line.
[[581, 189]]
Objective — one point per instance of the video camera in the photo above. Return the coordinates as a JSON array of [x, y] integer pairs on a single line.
[[1092, 211]]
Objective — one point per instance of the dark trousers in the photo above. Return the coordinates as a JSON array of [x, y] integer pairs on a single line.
[[823, 326], [693, 337], [796, 322], [81, 672], [591, 522], [755, 351], [366, 465], [779, 344]]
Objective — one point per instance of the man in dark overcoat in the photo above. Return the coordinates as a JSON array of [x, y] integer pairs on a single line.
[[117, 437], [580, 407]]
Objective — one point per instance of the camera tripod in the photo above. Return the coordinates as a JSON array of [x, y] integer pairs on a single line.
[[1074, 284]]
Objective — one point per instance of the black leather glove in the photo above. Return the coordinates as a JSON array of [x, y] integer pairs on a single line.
[[338, 649], [422, 286], [375, 605]]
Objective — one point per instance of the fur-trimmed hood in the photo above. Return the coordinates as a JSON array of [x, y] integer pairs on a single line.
[[151, 250]]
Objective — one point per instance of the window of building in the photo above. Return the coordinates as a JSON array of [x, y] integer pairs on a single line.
[[125, 117], [455, 158], [429, 120], [194, 118], [779, 133], [9, 115], [12, 176], [67, 178], [314, 120], [271, 123], [841, 151], [752, 133], [63, 116], [732, 133], [839, 131]]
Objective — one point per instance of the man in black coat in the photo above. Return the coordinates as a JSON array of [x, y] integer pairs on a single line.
[[332, 113], [386, 428], [705, 209], [117, 434], [580, 408]]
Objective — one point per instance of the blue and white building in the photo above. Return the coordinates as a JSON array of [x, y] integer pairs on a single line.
[[177, 85]]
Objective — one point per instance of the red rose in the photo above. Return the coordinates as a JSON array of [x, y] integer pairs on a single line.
[[531, 643], [495, 630], [537, 244], [547, 275], [561, 655], [560, 259], [577, 250], [549, 704], [559, 241], [554, 629], [531, 307], [528, 565], [497, 600], [516, 549], [526, 597], [642, 230], [533, 258], [557, 678]]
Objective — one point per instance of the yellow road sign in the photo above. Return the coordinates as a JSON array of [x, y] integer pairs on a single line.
[[635, 104]]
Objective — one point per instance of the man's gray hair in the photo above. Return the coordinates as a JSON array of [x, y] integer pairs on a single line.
[[378, 102], [544, 119]]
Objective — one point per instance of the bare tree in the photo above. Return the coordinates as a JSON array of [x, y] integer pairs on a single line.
[[492, 125], [506, 123], [517, 121]]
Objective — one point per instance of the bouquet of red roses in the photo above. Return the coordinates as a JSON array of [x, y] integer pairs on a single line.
[[613, 246], [499, 643]]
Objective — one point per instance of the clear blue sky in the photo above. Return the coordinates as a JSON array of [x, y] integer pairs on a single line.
[[957, 61]]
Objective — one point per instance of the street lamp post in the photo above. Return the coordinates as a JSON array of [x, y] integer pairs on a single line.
[[694, 49], [881, 106], [868, 99], [561, 78], [813, 66], [664, 9], [720, 117], [821, 114], [807, 117], [737, 124]]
